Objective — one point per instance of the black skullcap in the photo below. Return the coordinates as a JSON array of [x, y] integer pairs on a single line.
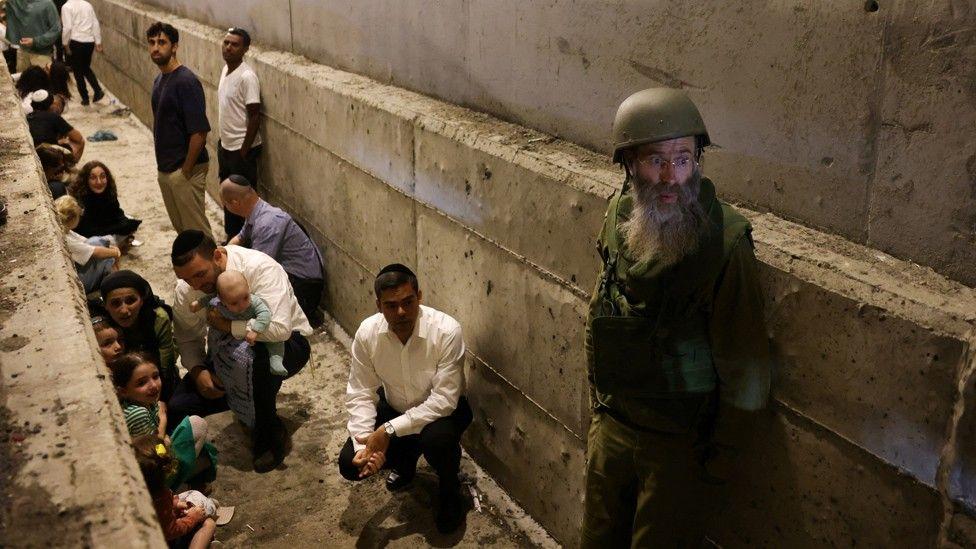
[[186, 241], [125, 279], [396, 268], [239, 180]]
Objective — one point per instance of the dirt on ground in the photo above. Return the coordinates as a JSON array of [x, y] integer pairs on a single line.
[[304, 503]]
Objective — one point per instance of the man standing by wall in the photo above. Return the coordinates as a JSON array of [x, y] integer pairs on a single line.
[[180, 128], [82, 36], [239, 108], [675, 323], [34, 25], [271, 230], [405, 392]]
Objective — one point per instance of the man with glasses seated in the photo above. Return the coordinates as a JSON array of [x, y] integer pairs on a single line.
[[675, 316]]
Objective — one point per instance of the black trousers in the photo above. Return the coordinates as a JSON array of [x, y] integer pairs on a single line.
[[439, 442], [308, 292], [10, 56], [228, 164], [80, 59], [269, 432]]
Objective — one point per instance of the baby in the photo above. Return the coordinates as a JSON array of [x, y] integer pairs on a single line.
[[235, 301]]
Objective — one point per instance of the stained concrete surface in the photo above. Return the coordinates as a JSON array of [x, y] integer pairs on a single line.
[[822, 112], [305, 503]]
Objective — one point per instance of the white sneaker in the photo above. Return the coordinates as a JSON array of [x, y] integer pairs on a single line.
[[135, 243]]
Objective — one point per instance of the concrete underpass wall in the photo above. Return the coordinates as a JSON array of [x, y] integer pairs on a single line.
[[870, 440], [68, 477], [843, 118]]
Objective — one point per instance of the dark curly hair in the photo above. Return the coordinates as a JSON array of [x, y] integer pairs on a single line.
[[32, 79], [79, 187], [60, 78]]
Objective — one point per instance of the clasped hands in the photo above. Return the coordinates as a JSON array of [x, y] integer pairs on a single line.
[[370, 459]]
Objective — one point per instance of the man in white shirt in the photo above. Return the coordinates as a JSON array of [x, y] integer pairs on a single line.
[[405, 393], [82, 36], [239, 112], [197, 261]]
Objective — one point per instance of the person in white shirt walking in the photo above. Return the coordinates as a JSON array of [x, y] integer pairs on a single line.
[[405, 394], [82, 36], [239, 113], [224, 371]]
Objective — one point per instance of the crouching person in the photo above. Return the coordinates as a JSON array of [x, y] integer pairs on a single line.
[[405, 394]]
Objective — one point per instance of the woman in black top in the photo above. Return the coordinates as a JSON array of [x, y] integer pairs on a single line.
[[95, 190]]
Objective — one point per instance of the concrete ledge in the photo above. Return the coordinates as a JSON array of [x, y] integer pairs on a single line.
[[873, 353], [67, 475]]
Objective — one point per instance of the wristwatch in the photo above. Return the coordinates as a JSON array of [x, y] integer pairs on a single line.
[[388, 427]]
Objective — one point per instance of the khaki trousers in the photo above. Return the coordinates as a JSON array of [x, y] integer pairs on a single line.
[[26, 59], [643, 489], [184, 199]]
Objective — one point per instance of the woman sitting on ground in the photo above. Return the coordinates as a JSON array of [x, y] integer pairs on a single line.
[[94, 257], [95, 190], [47, 126], [145, 322]]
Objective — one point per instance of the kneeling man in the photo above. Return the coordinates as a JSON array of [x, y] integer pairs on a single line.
[[405, 393]]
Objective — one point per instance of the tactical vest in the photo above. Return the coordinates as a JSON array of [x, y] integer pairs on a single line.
[[649, 323]]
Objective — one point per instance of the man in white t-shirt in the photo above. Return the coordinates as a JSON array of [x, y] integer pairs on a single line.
[[239, 111]]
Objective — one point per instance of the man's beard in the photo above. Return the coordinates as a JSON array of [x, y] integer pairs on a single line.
[[666, 232], [162, 61]]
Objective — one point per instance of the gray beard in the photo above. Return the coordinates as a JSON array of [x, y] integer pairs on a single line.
[[665, 232]]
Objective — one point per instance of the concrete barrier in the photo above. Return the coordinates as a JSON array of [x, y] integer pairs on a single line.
[[866, 440], [68, 477], [821, 111]]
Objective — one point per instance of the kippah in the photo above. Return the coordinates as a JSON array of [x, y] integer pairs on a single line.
[[38, 96], [395, 268], [186, 241], [239, 180]]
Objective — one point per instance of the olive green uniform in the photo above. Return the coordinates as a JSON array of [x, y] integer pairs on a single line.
[[664, 345]]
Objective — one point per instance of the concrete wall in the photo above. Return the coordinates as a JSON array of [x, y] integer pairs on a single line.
[[839, 117], [867, 442], [67, 475]]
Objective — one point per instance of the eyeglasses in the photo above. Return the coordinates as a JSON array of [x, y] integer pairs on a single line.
[[657, 162]]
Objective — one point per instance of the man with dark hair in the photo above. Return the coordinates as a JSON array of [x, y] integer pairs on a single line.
[[405, 393], [47, 126], [239, 110], [224, 371], [271, 230], [180, 128]]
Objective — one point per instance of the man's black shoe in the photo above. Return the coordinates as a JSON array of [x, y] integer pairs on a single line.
[[398, 480], [450, 511], [98, 96], [84, 102], [267, 461]]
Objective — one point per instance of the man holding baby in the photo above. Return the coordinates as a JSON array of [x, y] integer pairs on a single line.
[[223, 339]]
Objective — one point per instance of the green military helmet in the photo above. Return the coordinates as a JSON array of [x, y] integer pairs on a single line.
[[656, 114]]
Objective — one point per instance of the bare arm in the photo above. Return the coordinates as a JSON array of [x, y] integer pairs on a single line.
[[77, 142], [253, 123], [197, 142], [101, 252]]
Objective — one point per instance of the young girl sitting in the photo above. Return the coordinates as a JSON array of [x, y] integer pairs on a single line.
[[183, 525], [109, 339], [95, 190], [94, 257], [136, 380]]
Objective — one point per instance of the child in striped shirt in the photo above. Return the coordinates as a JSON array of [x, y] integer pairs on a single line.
[[137, 382]]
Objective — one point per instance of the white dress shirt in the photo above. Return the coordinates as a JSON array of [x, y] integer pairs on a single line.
[[78, 23], [424, 378], [266, 279]]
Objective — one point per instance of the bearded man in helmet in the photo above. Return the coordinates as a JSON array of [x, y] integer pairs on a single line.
[[675, 328]]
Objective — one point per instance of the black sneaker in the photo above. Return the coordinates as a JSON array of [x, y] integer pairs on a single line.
[[84, 102], [450, 511], [98, 96], [398, 480], [267, 461]]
